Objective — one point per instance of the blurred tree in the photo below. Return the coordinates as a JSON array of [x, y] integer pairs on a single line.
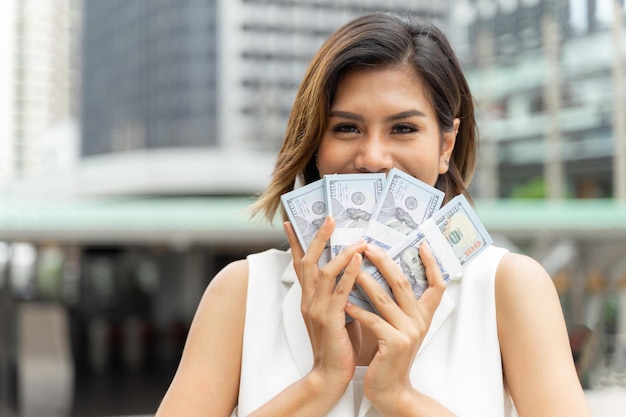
[[534, 188]]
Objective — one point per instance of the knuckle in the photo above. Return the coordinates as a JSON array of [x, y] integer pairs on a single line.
[[415, 332], [316, 314], [372, 320], [325, 274], [438, 285], [402, 342], [404, 284], [383, 298], [307, 259], [339, 289], [405, 343]]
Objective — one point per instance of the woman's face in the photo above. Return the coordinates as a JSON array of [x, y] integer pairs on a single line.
[[380, 119]]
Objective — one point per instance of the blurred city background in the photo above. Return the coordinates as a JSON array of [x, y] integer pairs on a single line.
[[134, 134]]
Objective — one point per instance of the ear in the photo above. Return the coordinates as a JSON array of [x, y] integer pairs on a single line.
[[447, 146]]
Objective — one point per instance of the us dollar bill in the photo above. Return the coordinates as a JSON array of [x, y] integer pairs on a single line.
[[306, 209], [406, 202], [462, 229], [456, 237], [351, 200]]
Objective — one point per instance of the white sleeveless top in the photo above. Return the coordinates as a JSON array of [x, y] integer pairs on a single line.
[[458, 363]]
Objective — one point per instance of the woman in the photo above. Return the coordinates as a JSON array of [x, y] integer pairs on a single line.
[[270, 335]]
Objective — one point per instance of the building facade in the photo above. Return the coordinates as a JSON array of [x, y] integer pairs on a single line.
[[38, 79], [149, 75], [549, 80], [264, 50], [212, 74]]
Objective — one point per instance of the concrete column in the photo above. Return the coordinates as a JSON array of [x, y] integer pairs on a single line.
[[553, 163], [488, 166], [44, 362], [619, 107]]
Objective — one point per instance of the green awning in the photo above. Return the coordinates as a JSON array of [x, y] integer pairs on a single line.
[[227, 220], [139, 220]]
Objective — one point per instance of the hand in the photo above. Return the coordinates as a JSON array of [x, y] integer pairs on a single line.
[[402, 327], [335, 346]]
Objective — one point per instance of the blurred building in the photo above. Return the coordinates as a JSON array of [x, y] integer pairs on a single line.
[[149, 75], [549, 80], [211, 77], [208, 74], [38, 79], [265, 47]]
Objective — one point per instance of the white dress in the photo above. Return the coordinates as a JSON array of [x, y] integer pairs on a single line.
[[458, 364]]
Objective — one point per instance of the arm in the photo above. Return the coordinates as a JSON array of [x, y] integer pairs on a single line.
[[207, 380], [536, 356]]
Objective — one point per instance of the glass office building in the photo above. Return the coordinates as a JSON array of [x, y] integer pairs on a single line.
[[149, 75], [202, 73]]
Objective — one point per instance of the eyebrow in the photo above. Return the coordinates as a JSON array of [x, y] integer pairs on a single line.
[[393, 117], [406, 115]]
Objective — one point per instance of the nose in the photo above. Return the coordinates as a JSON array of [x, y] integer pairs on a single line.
[[374, 155]]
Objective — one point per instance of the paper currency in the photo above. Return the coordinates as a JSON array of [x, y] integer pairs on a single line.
[[456, 237], [406, 202], [461, 227], [306, 209], [351, 200]]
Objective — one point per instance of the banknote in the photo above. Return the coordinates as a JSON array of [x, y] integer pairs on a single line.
[[406, 202], [351, 199], [462, 229], [306, 209], [456, 237]]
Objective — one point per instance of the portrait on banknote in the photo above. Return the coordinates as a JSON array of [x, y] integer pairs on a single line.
[[413, 269]]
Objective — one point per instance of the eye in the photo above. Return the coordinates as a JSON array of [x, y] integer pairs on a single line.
[[404, 128], [345, 128]]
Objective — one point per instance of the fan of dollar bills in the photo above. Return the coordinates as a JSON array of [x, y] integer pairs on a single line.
[[396, 212]]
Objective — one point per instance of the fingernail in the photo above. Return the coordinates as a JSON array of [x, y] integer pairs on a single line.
[[359, 242]]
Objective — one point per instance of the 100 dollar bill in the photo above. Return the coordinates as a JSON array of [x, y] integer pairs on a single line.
[[351, 200], [306, 209], [456, 237], [406, 202]]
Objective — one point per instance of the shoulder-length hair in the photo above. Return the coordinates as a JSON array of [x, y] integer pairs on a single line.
[[373, 41]]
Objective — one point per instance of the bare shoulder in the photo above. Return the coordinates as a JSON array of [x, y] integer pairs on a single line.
[[207, 379], [526, 298], [222, 309], [517, 273], [226, 293], [536, 355], [229, 283]]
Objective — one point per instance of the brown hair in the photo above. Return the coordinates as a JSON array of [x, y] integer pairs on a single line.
[[372, 41]]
